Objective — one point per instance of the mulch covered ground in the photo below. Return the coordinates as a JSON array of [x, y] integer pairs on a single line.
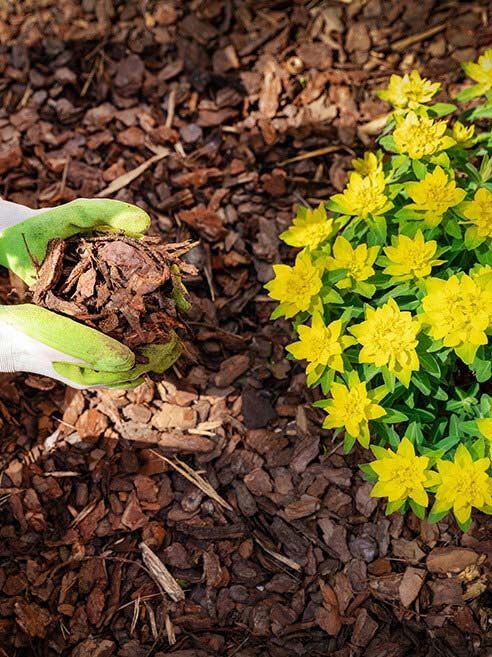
[[218, 117]]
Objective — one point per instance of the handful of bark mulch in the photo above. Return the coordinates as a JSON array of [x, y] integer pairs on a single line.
[[127, 288]]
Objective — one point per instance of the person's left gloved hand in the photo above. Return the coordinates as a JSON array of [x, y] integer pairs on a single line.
[[33, 339]]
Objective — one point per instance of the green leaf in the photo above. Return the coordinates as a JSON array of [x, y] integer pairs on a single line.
[[414, 433], [399, 165], [326, 380], [482, 112], [419, 169], [464, 526], [482, 369], [429, 364], [441, 395], [473, 239], [420, 415], [391, 507], [331, 296], [348, 443], [478, 448], [377, 231], [379, 452], [448, 443], [386, 433], [406, 214], [421, 381], [388, 143], [441, 109], [369, 474], [452, 228], [418, 509], [469, 93], [388, 378], [366, 290], [393, 417], [434, 517]]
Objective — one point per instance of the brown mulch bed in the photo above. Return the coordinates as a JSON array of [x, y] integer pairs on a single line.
[[111, 543]]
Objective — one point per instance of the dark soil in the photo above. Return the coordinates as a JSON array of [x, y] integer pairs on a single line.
[[218, 118]]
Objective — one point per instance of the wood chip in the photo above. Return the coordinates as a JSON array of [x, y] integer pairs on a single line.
[[161, 575]]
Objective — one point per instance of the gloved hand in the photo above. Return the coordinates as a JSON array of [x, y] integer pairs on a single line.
[[33, 339]]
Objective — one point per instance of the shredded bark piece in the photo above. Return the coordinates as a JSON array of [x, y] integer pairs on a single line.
[[126, 287]]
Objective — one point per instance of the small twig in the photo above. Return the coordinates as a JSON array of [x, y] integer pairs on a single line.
[[25, 97], [90, 77], [276, 555], [402, 44], [335, 449], [171, 106], [130, 176], [64, 175], [307, 156], [193, 477]]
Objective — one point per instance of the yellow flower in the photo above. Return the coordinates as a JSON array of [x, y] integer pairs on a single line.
[[369, 164], [462, 134], [419, 136], [358, 262], [481, 274], [484, 425], [409, 91], [464, 485], [351, 407], [402, 475], [389, 337], [481, 71], [434, 195], [479, 215], [459, 312], [295, 287], [320, 345], [411, 258], [309, 229], [363, 196]]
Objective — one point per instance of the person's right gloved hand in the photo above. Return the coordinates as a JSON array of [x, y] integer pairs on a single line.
[[33, 339]]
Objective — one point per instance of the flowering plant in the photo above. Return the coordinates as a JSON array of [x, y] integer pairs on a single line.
[[391, 299]]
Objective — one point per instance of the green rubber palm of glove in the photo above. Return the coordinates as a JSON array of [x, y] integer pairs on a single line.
[[24, 245], [33, 339], [159, 357]]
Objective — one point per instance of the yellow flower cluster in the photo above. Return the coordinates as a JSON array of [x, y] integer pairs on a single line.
[[297, 287], [409, 92], [352, 407], [419, 136], [459, 312], [481, 72], [320, 345], [403, 475], [364, 195], [478, 216], [433, 196], [358, 262], [411, 258], [460, 485], [309, 229], [389, 338]]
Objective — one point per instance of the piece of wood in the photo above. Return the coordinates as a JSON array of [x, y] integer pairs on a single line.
[[130, 176]]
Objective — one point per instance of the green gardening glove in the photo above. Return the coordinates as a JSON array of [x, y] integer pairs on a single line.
[[33, 339]]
